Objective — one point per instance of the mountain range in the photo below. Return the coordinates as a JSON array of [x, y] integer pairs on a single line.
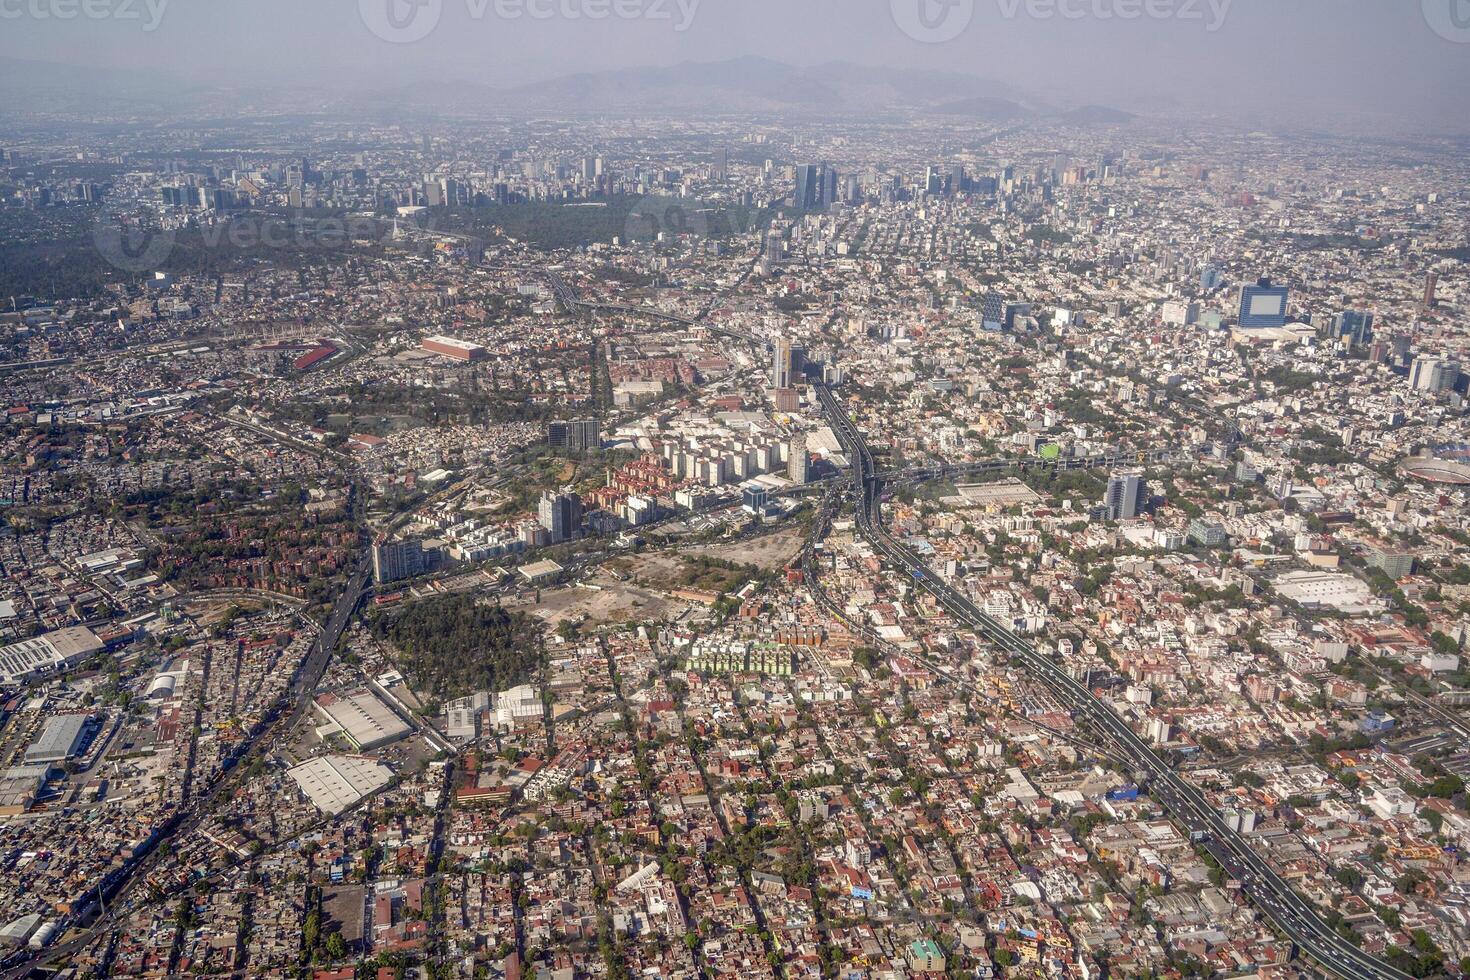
[[737, 86]]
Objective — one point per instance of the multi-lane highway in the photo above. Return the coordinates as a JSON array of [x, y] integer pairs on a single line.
[[1272, 894]]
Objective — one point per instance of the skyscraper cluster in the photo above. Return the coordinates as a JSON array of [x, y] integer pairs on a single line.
[[816, 186]]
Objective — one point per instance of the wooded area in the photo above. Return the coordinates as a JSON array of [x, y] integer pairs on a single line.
[[455, 645]]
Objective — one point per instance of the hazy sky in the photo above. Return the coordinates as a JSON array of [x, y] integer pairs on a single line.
[[1384, 56]]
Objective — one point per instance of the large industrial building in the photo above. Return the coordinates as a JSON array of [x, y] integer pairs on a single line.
[[335, 782], [19, 788], [459, 350], [42, 656], [61, 739], [364, 720]]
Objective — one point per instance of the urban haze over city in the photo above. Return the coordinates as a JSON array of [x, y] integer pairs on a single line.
[[752, 489]]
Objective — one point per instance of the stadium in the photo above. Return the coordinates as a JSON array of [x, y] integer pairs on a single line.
[[1448, 465]]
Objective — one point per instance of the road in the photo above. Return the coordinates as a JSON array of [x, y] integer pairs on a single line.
[[1272, 894]]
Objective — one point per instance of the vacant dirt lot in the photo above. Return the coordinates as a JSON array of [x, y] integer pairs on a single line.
[[611, 602], [767, 553]]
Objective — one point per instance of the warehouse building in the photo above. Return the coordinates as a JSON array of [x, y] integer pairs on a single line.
[[61, 739], [19, 788], [17, 931], [42, 656], [365, 721], [335, 782]]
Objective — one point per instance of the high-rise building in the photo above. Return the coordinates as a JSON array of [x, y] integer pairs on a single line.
[[1355, 326], [721, 166], [816, 186], [1263, 305], [1434, 374], [1180, 313], [395, 560], [807, 178], [993, 311], [1394, 564], [798, 466], [561, 515], [788, 364], [1207, 534], [775, 249], [755, 498], [1209, 277], [827, 195], [576, 436], [1431, 287], [780, 364], [1125, 495]]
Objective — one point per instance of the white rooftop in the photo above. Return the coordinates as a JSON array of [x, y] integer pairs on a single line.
[[335, 782]]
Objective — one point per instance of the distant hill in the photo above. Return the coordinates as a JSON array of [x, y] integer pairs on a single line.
[[735, 86]]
